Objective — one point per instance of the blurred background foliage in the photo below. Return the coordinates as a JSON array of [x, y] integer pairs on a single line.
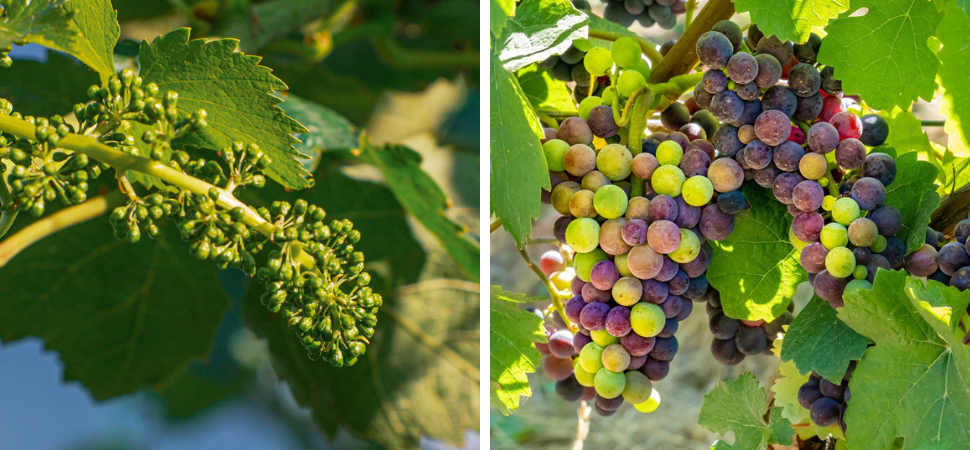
[[398, 71]]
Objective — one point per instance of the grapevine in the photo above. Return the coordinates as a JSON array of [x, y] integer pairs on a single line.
[[651, 184]]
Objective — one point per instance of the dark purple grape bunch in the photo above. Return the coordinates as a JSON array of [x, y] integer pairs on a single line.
[[779, 135], [735, 339], [646, 13], [826, 400]]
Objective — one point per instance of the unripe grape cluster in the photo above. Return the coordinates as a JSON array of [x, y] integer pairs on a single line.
[[591, 72]]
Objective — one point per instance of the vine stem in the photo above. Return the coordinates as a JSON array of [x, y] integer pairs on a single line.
[[584, 413], [121, 162], [65, 218], [932, 123], [646, 46], [553, 292], [496, 224], [682, 58]]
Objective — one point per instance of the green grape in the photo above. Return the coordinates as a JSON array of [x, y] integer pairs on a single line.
[[638, 387], [834, 235], [591, 357], [608, 96], [627, 290], [845, 211], [643, 68], [855, 285], [615, 162], [828, 202], [562, 194], [626, 52], [629, 81], [647, 319], [813, 166], [555, 150], [879, 245], [622, 266], [610, 202], [597, 61], [582, 376], [588, 104], [795, 242], [668, 180], [650, 405], [581, 204], [594, 180], [840, 262], [583, 235], [609, 384], [689, 247], [698, 190], [616, 358], [860, 272], [603, 338], [583, 262], [669, 153]]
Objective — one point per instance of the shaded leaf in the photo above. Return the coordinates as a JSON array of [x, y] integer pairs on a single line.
[[512, 353], [540, 29], [45, 89], [44, 22], [817, 340], [326, 130], [762, 287], [545, 93]]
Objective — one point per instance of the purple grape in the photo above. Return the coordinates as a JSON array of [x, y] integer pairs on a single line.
[[769, 71], [655, 369], [749, 114], [807, 226], [579, 341], [808, 108], [654, 291], [601, 122], [593, 295], [576, 286], [772, 127], [687, 216], [634, 232], [574, 130], [876, 262], [664, 349], [679, 283], [703, 145], [715, 224], [663, 207], [693, 131], [757, 154], [702, 97], [668, 270], [781, 50], [869, 193], [714, 49], [732, 202], [804, 80], [862, 255], [825, 412], [726, 140], [722, 326], [714, 81], [875, 130], [669, 329], [599, 410], [604, 275], [675, 116], [618, 321], [830, 84], [637, 345], [748, 91], [561, 344], [808, 393], [788, 155], [923, 262], [727, 106], [593, 316], [726, 352], [850, 154], [813, 257], [766, 177], [695, 162], [569, 389], [679, 138], [742, 67], [574, 307], [559, 228], [779, 98], [751, 340], [888, 220], [961, 279], [881, 167], [784, 185], [962, 230], [807, 196], [557, 368], [608, 404], [685, 309], [829, 288], [636, 362], [822, 137], [699, 265]]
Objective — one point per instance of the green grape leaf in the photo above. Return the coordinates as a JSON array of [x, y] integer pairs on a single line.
[[817, 340], [913, 193], [762, 287], [265, 22], [198, 387], [545, 93], [540, 29], [512, 355], [326, 129], [906, 135], [421, 196], [419, 375], [122, 316], [739, 406], [791, 20], [786, 386], [60, 77], [913, 383], [96, 25], [518, 164], [954, 33], [497, 18], [44, 22], [882, 55], [235, 91], [954, 174], [507, 7]]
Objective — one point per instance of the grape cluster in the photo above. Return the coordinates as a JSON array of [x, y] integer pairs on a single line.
[[647, 13], [796, 139], [41, 173], [591, 72], [735, 339], [826, 400]]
